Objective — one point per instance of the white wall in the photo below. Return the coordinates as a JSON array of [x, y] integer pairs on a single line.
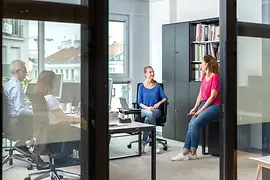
[[138, 13], [172, 11], [197, 9], [159, 14]]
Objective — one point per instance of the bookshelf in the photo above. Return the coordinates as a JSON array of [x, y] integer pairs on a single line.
[[204, 38]]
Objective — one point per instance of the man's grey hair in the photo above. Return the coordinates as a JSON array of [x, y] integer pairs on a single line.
[[15, 65]]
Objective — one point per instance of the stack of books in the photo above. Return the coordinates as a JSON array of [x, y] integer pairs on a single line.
[[207, 41], [205, 32], [203, 49]]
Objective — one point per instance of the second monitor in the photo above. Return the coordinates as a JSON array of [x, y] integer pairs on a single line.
[[58, 87]]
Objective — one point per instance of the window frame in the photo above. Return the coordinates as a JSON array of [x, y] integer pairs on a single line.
[[128, 95], [119, 77]]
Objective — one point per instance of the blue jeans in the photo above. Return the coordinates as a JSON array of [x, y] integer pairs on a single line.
[[150, 118], [193, 134]]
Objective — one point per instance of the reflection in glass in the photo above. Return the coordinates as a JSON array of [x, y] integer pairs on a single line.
[[63, 50], [253, 117], [254, 12], [42, 118]]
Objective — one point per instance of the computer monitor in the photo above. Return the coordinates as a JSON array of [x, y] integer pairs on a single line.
[[58, 86], [110, 87]]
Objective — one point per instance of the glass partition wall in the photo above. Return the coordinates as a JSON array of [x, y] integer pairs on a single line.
[[49, 118], [245, 75]]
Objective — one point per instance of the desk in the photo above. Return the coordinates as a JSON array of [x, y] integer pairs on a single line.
[[134, 127], [262, 162], [139, 127]]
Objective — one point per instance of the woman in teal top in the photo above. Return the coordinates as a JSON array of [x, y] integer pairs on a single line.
[[150, 97]]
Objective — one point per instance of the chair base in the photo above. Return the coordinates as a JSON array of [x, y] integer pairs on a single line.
[[20, 157], [54, 175], [161, 141]]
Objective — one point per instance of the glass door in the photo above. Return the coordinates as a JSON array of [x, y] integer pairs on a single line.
[[54, 66], [246, 93]]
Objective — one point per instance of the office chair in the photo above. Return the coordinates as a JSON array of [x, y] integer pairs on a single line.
[[159, 122], [53, 150], [9, 135]]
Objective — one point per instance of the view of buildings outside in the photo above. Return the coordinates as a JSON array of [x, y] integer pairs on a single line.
[[62, 50]]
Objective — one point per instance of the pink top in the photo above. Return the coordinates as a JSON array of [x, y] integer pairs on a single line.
[[207, 86]]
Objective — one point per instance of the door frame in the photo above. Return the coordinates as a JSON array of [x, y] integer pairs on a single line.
[[93, 16], [228, 45], [230, 29]]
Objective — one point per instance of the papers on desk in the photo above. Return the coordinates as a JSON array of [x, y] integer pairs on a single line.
[[78, 125], [116, 124]]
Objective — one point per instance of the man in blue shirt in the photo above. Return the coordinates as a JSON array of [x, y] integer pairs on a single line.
[[17, 106], [20, 113]]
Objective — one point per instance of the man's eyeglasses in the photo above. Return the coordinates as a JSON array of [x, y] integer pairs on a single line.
[[24, 70]]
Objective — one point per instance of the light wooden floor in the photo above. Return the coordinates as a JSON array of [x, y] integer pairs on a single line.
[[205, 168]]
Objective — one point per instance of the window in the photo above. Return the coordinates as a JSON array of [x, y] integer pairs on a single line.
[[111, 70], [5, 68], [67, 75], [63, 49], [4, 54], [14, 54], [119, 90], [118, 58], [72, 74], [118, 46]]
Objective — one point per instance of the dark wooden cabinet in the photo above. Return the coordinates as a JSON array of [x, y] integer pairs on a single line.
[[168, 53], [181, 89], [175, 77], [194, 89], [181, 110], [181, 64], [169, 130]]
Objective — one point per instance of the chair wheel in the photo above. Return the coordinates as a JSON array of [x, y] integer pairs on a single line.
[[129, 146], [27, 178], [165, 148], [30, 167]]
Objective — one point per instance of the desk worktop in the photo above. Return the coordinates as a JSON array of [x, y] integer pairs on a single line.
[[69, 133]]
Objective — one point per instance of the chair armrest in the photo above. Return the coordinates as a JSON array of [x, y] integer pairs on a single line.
[[165, 108], [135, 105]]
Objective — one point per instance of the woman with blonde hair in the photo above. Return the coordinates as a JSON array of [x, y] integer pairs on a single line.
[[150, 97], [206, 107], [45, 86], [59, 123]]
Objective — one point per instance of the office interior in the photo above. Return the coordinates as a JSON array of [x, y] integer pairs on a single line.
[[136, 35]]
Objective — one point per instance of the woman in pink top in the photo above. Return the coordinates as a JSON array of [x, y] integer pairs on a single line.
[[206, 107]]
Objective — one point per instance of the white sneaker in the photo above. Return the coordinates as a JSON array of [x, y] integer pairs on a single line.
[[158, 150], [191, 157], [180, 157], [143, 148]]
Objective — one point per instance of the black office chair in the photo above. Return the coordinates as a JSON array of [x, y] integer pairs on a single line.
[[10, 135], [43, 147], [160, 121]]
